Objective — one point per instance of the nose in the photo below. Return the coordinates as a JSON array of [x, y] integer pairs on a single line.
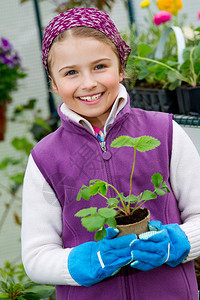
[[88, 81]]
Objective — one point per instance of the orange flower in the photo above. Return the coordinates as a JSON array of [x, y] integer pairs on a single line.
[[171, 6]]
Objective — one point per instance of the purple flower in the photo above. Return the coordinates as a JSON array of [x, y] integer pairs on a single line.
[[16, 59], [198, 16], [161, 17], [6, 45]]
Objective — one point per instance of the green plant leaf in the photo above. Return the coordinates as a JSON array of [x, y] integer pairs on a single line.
[[157, 179], [160, 192], [4, 296], [8, 161], [148, 195], [42, 123], [172, 76], [165, 187], [22, 144], [146, 143], [92, 223], [107, 212], [100, 234], [17, 178], [132, 199], [113, 202], [111, 222], [96, 187], [3, 286], [85, 193], [103, 189], [144, 50], [142, 144], [4, 274], [122, 141], [39, 292], [86, 212]]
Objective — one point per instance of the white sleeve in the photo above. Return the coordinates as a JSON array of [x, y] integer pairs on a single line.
[[43, 255], [185, 181]]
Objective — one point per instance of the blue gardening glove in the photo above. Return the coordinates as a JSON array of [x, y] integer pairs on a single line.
[[91, 262], [162, 244], [179, 244]]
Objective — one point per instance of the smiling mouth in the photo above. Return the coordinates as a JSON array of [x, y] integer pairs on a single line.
[[91, 98]]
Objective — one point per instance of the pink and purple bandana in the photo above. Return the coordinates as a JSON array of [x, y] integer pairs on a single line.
[[84, 17]]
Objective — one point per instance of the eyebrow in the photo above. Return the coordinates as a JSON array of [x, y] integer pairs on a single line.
[[94, 62]]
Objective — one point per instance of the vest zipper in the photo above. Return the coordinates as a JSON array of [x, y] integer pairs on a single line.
[[103, 146]]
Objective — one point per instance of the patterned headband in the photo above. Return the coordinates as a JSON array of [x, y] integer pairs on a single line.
[[85, 17]]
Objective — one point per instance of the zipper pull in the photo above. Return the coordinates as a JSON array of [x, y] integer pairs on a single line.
[[106, 154], [103, 146]]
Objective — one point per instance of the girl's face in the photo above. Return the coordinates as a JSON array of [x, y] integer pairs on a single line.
[[86, 76]]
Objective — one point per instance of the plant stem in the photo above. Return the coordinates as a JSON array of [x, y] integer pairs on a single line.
[[122, 202], [131, 177], [192, 66]]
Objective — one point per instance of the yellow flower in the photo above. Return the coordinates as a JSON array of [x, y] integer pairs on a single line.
[[171, 6], [145, 3]]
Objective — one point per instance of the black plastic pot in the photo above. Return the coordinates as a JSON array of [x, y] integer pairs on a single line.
[[189, 100], [154, 99]]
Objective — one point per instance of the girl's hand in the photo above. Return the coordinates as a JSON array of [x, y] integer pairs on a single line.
[[162, 244], [91, 262]]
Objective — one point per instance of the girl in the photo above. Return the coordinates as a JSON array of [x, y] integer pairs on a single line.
[[85, 58]]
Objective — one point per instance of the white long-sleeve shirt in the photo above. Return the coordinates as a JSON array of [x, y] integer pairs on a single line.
[[43, 255]]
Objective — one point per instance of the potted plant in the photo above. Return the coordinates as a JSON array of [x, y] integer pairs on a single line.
[[10, 72], [121, 210], [168, 37], [184, 79]]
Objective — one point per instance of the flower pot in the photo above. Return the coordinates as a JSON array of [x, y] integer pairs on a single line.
[[154, 99], [138, 227], [2, 120], [189, 100]]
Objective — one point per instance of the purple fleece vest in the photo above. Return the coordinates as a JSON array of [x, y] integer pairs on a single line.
[[72, 156]]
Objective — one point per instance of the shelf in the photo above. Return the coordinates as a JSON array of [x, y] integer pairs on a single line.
[[187, 120]]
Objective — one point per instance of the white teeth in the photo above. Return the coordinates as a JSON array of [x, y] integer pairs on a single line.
[[90, 98]]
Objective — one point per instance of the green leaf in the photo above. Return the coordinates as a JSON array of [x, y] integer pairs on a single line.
[[4, 296], [111, 222], [8, 161], [146, 143], [156, 179], [107, 212], [113, 202], [86, 212], [160, 192], [100, 234], [3, 286], [39, 292], [18, 178], [103, 189], [122, 141], [42, 123], [144, 50], [172, 76], [95, 188], [92, 223], [4, 274], [22, 144], [165, 187], [131, 199], [142, 144], [148, 195], [85, 193]]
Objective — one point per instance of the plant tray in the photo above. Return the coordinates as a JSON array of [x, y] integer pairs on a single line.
[[189, 100], [154, 99]]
